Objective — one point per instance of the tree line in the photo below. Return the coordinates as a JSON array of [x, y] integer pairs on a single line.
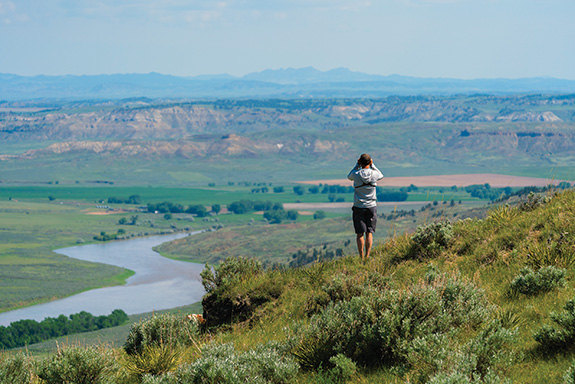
[[246, 206], [169, 207], [133, 199], [332, 190], [273, 212], [25, 332]]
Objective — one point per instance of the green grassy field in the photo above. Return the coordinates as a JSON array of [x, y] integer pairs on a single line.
[[218, 194]]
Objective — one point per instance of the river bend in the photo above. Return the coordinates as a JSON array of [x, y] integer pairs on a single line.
[[158, 282]]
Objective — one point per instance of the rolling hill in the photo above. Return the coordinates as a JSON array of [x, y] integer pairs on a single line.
[[304, 139]]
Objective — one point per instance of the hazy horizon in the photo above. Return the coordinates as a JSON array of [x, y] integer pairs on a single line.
[[280, 69]]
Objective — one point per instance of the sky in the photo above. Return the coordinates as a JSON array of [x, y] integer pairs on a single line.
[[464, 39]]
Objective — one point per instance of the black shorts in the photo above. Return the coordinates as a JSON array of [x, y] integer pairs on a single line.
[[364, 219]]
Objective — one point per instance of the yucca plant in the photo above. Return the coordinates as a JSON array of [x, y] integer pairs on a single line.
[[155, 360], [502, 214]]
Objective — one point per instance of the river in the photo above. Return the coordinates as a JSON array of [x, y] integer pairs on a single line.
[[158, 282]]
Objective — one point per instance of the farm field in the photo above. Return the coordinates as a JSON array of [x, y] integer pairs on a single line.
[[463, 180]]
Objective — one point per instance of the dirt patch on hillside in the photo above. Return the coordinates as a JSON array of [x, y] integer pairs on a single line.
[[495, 180]]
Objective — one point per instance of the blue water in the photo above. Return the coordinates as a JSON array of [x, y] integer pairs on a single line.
[[158, 282]]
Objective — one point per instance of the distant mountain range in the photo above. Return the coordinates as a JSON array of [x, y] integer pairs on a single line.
[[279, 83]]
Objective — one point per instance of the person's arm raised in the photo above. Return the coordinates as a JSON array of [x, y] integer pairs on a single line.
[[377, 175]]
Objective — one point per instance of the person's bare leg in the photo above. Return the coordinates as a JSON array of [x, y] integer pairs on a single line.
[[360, 244], [368, 243]]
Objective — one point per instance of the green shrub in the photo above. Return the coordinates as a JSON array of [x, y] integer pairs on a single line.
[[344, 368], [77, 365], [569, 376], [460, 378], [439, 356], [341, 370], [488, 348], [165, 329], [343, 286], [378, 327], [430, 239], [552, 339], [231, 270], [221, 364], [15, 369], [235, 293], [532, 202], [163, 379], [545, 279]]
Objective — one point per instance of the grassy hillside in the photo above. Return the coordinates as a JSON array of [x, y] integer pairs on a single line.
[[305, 241], [472, 301], [484, 256], [194, 143]]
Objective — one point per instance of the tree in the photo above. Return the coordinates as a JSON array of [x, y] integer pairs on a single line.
[[292, 215], [198, 210], [133, 219], [298, 190], [313, 190], [242, 206], [123, 221], [134, 199], [216, 208], [275, 217], [318, 215]]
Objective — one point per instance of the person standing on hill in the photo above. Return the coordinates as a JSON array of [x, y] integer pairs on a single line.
[[364, 176]]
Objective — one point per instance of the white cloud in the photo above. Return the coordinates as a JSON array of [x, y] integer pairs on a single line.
[[6, 7], [10, 14]]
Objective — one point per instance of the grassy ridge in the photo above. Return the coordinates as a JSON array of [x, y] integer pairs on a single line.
[[489, 252]]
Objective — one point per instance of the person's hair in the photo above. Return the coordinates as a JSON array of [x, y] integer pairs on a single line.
[[364, 160]]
